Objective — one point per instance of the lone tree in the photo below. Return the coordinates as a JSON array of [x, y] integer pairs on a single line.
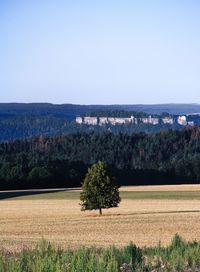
[[99, 190]]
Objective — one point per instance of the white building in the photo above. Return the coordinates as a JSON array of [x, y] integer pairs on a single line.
[[190, 123], [182, 120], [168, 120], [153, 121], [135, 121], [91, 121], [121, 121], [79, 120], [103, 121], [150, 120], [145, 120], [116, 120], [111, 120]]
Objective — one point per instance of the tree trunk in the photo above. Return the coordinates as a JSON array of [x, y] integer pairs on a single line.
[[100, 211]]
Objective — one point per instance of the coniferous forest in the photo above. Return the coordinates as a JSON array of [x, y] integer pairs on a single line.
[[168, 157]]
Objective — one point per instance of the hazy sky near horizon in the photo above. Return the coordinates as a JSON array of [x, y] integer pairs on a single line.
[[100, 52]]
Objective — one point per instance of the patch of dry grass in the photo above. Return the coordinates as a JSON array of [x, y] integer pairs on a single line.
[[143, 221]]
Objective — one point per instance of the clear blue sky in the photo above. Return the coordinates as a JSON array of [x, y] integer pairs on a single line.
[[100, 52]]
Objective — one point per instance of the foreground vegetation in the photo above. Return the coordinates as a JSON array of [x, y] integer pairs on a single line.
[[178, 256]]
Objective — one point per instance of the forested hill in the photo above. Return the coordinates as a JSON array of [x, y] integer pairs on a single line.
[[22, 121], [70, 111], [166, 157], [65, 111]]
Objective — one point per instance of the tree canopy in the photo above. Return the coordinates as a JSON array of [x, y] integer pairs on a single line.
[[99, 190]]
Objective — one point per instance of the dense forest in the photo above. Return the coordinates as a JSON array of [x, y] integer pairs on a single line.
[[167, 157]]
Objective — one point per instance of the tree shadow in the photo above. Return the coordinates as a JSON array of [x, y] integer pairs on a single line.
[[154, 213], [18, 193]]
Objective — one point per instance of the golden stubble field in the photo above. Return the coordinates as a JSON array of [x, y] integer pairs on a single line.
[[23, 222]]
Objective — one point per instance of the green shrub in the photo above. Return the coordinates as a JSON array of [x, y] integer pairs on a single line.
[[178, 256]]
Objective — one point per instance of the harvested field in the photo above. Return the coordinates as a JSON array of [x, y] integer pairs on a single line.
[[149, 188], [145, 220]]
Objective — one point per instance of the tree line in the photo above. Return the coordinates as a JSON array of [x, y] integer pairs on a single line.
[[161, 158], [118, 113]]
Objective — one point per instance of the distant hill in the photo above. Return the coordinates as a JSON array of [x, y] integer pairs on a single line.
[[176, 109], [70, 111]]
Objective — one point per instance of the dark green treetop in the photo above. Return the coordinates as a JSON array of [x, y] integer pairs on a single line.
[[99, 190]]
